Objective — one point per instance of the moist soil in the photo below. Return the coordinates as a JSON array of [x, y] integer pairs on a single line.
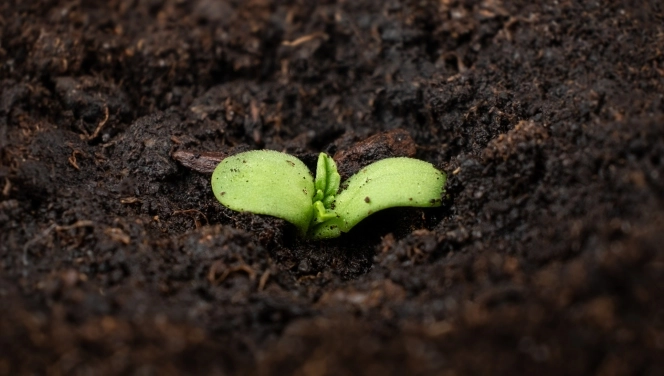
[[546, 255]]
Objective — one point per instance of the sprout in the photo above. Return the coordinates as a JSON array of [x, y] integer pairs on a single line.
[[280, 185]]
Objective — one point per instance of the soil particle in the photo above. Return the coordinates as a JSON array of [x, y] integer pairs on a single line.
[[150, 134], [90, 101], [352, 158]]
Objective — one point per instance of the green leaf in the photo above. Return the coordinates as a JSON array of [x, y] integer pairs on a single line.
[[327, 180], [384, 184], [326, 185], [266, 182]]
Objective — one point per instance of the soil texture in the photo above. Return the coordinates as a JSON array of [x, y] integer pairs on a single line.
[[545, 258]]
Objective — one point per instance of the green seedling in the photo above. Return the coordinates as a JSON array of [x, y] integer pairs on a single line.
[[280, 185]]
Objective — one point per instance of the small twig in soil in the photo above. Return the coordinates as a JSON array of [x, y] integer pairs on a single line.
[[109, 144], [305, 39], [117, 235], [263, 280], [129, 200], [193, 211], [7, 188], [72, 159], [204, 162], [100, 126], [212, 274]]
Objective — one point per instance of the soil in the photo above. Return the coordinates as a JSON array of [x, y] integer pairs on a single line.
[[545, 257]]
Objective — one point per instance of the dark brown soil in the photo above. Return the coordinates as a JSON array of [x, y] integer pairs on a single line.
[[547, 257]]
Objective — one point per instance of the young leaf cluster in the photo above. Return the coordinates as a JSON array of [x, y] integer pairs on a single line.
[[280, 185]]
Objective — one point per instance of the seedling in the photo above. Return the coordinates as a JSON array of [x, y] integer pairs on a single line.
[[277, 184]]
